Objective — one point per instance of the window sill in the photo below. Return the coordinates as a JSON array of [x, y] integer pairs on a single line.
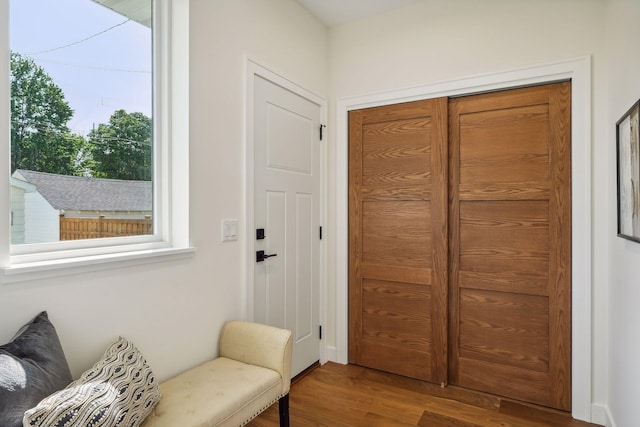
[[85, 264]]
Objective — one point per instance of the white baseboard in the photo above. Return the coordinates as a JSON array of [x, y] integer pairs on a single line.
[[600, 415]]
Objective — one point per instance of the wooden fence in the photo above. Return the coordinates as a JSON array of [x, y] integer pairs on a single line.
[[94, 228]]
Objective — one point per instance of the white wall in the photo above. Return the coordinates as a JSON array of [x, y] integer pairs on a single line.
[[623, 281], [173, 311], [276, 34], [440, 40]]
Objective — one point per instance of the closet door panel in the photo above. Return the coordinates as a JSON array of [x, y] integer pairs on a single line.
[[398, 239], [510, 244]]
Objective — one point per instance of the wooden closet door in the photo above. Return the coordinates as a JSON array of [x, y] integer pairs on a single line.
[[398, 239], [510, 244]]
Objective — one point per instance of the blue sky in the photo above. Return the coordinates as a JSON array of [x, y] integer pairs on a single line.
[[99, 75]]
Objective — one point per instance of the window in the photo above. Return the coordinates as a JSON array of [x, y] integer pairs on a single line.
[[99, 136], [82, 118]]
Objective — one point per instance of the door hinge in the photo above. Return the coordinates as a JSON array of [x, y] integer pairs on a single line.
[[320, 328], [320, 232], [321, 126]]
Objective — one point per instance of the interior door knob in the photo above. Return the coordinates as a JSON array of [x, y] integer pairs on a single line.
[[261, 256]]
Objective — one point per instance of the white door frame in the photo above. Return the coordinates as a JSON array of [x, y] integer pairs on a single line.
[[253, 69], [579, 71]]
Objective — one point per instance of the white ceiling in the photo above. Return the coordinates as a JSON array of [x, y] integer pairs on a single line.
[[330, 12], [335, 12]]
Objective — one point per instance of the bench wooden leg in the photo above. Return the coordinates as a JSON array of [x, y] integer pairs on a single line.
[[283, 407]]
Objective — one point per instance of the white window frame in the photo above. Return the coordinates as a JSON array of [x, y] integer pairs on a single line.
[[171, 167]]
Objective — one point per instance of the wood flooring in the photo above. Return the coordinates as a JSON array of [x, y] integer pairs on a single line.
[[337, 395]]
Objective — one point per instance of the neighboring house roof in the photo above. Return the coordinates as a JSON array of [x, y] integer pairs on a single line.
[[137, 10], [90, 194], [27, 187]]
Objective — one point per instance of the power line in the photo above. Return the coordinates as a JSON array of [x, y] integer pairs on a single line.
[[100, 140], [80, 41], [95, 67], [108, 140]]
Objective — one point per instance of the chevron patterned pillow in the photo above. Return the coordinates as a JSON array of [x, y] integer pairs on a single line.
[[119, 390]]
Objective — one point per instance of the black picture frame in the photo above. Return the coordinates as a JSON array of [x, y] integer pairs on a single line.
[[628, 173]]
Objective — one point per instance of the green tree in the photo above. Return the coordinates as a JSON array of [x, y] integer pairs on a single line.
[[40, 138], [122, 149]]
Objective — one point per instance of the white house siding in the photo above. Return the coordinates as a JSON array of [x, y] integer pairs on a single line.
[[17, 215], [43, 221]]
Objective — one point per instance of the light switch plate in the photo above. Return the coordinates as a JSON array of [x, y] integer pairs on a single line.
[[229, 230]]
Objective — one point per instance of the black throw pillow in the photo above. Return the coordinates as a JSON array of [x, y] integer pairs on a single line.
[[32, 366]]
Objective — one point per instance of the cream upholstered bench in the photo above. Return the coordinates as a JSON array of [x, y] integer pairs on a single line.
[[252, 373]]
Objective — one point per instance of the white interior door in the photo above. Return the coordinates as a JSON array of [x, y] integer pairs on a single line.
[[287, 209]]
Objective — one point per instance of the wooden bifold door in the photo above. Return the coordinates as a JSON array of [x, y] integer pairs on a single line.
[[460, 241]]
